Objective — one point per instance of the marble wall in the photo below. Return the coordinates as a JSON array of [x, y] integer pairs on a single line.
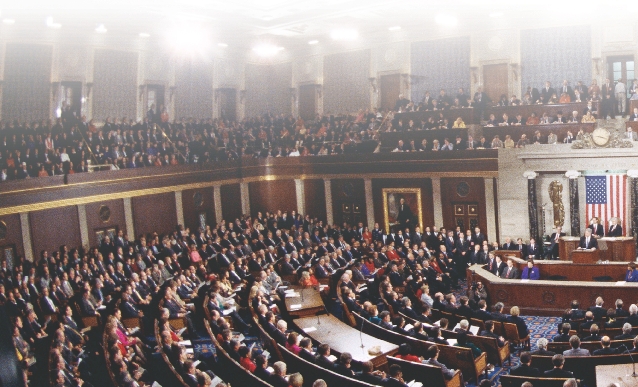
[[115, 84], [194, 90], [346, 85], [268, 89]]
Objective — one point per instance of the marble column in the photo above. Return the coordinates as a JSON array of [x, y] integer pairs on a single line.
[[327, 187], [245, 198], [436, 201], [128, 219], [179, 208], [633, 175], [367, 183], [490, 211], [26, 236], [574, 205], [532, 203], [217, 200], [301, 196], [84, 228]]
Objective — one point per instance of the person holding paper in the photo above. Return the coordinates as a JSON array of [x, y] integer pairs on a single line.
[[433, 354]]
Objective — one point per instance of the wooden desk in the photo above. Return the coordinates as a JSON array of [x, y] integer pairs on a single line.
[[616, 373], [566, 245], [575, 271], [633, 103], [560, 130], [507, 253], [548, 298], [467, 114], [620, 249], [527, 110], [343, 338], [585, 256], [311, 304], [633, 124]]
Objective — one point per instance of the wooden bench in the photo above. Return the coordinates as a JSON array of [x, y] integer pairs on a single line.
[[583, 367], [511, 335], [591, 346], [489, 345], [429, 375], [517, 381]]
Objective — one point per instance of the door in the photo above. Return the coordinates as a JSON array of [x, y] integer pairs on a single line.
[[496, 80], [72, 97], [307, 102], [228, 104], [466, 215], [351, 213], [155, 99], [390, 88], [621, 67]]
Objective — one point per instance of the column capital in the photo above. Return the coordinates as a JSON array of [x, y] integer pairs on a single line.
[[573, 174], [633, 173], [530, 175]]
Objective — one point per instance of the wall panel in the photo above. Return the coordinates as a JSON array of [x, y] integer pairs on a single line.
[[346, 88], [154, 213], [114, 90], [450, 196], [194, 93], [231, 202], [55, 227], [268, 89], [93, 221], [315, 198], [193, 207], [425, 185], [272, 196], [26, 90]]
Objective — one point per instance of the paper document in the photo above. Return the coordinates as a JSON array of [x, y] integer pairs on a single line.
[[408, 327], [270, 369], [189, 350], [309, 329], [292, 295], [621, 283], [195, 364], [186, 343], [474, 330], [295, 306], [332, 358], [451, 341]]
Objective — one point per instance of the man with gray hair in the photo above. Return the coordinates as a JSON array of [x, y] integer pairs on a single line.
[[542, 348], [576, 350], [278, 376], [319, 383], [626, 333], [633, 315], [570, 383]]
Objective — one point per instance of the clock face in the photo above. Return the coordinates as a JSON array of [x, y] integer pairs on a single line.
[[600, 136]]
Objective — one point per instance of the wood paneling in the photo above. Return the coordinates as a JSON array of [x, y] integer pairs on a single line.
[[349, 192], [315, 198], [55, 227], [495, 79], [390, 88], [14, 233], [231, 202], [450, 196], [192, 210], [467, 114], [272, 196], [307, 101], [117, 218], [154, 213], [425, 185]]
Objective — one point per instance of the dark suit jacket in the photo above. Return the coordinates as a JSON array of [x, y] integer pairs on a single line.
[[599, 313], [525, 370], [520, 324], [600, 231], [483, 315], [325, 363], [605, 351], [513, 273], [592, 243], [558, 373], [532, 251], [616, 232], [391, 382]]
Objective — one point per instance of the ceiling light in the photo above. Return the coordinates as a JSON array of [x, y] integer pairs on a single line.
[[145, 35], [313, 42], [52, 24], [100, 29], [345, 34], [224, 45], [496, 14], [267, 50], [8, 21], [446, 20], [395, 28]]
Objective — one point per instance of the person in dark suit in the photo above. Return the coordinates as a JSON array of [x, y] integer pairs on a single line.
[[396, 377], [521, 247], [482, 313], [547, 92], [515, 318], [615, 230], [277, 379], [323, 352], [606, 349], [509, 245], [598, 311], [498, 315], [404, 214], [368, 375], [566, 89], [542, 348], [510, 272], [525, 369], [558, 372], [607, 102], [489, 332], [306, 350], [588, 241], [261, 372], [563, 336], [594, 334], [552, 251], [533, 250], [597, 229]]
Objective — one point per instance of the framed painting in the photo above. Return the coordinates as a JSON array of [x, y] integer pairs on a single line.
[[402, 208]]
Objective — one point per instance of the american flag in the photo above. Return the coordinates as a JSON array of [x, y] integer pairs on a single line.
[[606, 198]]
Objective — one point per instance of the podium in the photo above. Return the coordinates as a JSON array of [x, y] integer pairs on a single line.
[[585, 256], [618, 249], [566, 245]]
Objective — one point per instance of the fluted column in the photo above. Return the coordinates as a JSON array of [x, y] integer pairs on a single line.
[[84, 228], [26, 236], [300, 194], [633, 175], [532, 204], [217, 200], [367, 183], [574, 210], [437, 204], [128, 218], [327, 186]]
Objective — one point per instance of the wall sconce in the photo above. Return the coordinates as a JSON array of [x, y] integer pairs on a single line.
[[141, 88], [89, 88], [319, 89], [293, 94], [474, 71], [171, 92], [55, 90], [406, 80], [597, 62], [515, 69], [242, 96]]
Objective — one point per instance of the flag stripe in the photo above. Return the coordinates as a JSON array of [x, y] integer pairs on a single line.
[[606, 198]]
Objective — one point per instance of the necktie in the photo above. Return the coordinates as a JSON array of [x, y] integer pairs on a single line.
[[508, 272]]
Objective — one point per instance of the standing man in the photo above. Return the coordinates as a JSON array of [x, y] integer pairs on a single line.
[[621, 97], [607, 100], [597, 229], [552, 252], [615, 230]]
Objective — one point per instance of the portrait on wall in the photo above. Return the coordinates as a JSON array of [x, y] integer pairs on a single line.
[[402, 208]]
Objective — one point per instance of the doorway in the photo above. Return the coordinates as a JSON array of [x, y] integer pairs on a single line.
[[466, 215], [496, 80], [390, 89], [621, 67], [72, 97], [155, 101], [228, 104], [307, 102]]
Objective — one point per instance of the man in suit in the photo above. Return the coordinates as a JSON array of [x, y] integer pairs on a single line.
[[404, 214], [558, 372], [576, 350], [500, 266], [626, 333], [323, 352], [433, 356], [489, 332], [547, 92], [552, 251], [478, 237], [607, 103], [525, 369], [566, 89], [606, 349], [482, 313], [633, 315], [278, 377], [396, 377], [509, 245], [615, 230], [596, 228], [594, 334], [521, 247], [597, 310], [587, 241], [368, 375], [563, 336], [510, 272], [533, 250], [498, 315], [634, 115]]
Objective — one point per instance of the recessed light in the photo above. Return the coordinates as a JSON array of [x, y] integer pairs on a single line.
[[496, 14], [100, 29], [394, 28], [344, 34], [8, 21], [446, 20], [145, 35], [313, 42], [222, 45]]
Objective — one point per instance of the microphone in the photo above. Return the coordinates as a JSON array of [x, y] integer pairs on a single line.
[[302, 288], [632, 360], [361, 332]]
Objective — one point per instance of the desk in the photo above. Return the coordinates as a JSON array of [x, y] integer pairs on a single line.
[[344, 338], [467, 114], [620, 249], [311, 304], [527, 110], [616, 373], [585, 256], [575, 271], [560, 130], [548, 298]]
